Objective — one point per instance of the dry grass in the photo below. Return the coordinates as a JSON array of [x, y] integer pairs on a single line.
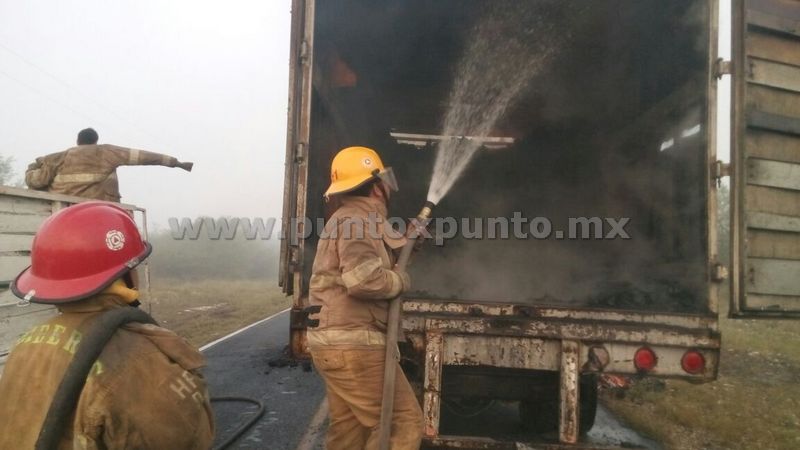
[[755, 403], [202, 311]]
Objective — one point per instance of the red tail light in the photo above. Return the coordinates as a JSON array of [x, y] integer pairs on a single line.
[[645, 359], [693, 362]]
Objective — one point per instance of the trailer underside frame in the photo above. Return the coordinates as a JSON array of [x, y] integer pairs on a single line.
[[554, 339]]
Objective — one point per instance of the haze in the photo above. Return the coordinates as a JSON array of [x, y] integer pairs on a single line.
[[203, 81]]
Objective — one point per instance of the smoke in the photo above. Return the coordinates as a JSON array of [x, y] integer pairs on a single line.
[[508, 47], [589, 90], [591, 111]]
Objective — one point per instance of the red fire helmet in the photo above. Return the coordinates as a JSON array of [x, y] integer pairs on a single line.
[[78, 252]]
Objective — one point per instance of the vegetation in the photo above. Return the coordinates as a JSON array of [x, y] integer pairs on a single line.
[[206, 259], [7, 176], [205, 310], [723, 224], [204, 289], [755, 403]]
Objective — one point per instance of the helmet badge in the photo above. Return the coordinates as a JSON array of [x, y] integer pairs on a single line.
[[115, 240], [367, 162]]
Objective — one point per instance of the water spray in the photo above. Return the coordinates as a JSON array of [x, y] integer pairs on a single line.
[[488, 82]]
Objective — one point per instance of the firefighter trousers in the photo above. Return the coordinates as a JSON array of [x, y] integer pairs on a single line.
[[353, 377]]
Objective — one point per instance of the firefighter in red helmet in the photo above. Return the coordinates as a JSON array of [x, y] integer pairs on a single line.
[[144, 390]]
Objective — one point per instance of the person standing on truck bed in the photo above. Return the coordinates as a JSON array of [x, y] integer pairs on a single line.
[[352, 282], [90, 169], [144, 391]]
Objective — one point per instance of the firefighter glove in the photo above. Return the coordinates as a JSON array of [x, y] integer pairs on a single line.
[[404, 278]]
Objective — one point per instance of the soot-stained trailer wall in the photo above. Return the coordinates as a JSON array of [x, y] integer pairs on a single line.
[[612, 125]]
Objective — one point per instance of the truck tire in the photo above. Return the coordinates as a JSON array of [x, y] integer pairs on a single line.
[[541, 415]]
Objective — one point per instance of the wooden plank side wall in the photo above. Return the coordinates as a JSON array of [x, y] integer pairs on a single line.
[[773, 276], [773, 146], [10, 266], [771, 210], [773, 173], [20, 217], [15, 243]]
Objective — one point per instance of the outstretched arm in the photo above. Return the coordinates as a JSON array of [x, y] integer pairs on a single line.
[[121, 156]]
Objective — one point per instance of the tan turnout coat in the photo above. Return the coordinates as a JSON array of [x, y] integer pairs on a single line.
[[144, 392], [89, 170], [352, 277], [353, 280]]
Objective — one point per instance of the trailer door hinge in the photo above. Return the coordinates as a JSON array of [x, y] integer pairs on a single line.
[[303, 51], [720, 170], [300, 153], [723, 67], [294, 260], [719, 272]]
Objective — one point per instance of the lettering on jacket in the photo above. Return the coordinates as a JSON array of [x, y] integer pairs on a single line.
[[56, 335]]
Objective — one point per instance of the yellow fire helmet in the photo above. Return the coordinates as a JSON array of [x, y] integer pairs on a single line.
[[352, 167]]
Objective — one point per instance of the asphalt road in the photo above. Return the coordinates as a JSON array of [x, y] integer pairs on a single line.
[[294, 398], [239, 366]]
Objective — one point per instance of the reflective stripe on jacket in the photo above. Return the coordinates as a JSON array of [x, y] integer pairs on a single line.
[[352, 277], [144, 391], [89, 170]]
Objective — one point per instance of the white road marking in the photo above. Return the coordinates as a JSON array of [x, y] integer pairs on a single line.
[[314, 431], [241, 330]]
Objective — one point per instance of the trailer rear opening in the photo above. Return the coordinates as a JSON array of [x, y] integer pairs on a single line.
[[614, 126]]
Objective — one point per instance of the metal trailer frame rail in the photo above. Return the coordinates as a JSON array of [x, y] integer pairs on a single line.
[[491, 444], [543, 338]]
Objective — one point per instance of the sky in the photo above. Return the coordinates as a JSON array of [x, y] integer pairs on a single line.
[[204, 81]]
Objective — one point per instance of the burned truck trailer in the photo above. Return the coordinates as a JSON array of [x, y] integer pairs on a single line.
[[608, 147]]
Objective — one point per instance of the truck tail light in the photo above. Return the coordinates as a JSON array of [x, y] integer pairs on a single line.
[[645, 359], [693, 362]]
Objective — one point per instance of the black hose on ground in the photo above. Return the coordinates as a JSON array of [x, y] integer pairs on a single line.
[[245, 426], [69, 390]]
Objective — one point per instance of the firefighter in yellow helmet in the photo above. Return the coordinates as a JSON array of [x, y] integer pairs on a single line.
[[352, 280]]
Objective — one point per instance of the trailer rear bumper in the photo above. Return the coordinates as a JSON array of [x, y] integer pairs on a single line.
[[465, 442], [547, 339]]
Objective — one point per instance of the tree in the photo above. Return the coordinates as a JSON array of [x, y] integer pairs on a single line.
[[221, 259], [723, 224], [6, 171]]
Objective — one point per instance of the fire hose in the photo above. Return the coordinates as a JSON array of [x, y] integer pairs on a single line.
[[392, 333], [243, 427], [69, 390]]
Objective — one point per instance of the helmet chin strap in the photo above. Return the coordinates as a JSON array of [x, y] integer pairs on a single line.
[[384, 192], [120, 289]]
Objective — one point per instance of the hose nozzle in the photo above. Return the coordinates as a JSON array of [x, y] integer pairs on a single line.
[[418, 226], [426, 211]]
